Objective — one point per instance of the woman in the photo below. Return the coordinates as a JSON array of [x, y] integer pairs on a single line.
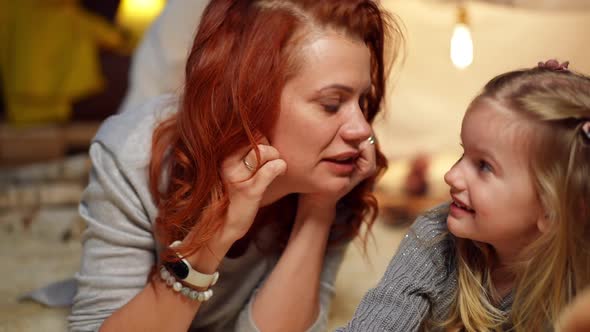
[[260, 172]]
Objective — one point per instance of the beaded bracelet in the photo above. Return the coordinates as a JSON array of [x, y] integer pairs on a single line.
[[190, 293]]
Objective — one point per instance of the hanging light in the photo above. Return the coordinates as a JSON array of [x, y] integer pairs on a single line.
[[461, 42], [136, 15]]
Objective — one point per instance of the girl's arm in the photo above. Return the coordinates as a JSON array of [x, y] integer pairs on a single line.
[[575, 317], [417, 282]]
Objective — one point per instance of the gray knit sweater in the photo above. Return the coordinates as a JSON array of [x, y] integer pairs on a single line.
[[119, 246], [419, 282]]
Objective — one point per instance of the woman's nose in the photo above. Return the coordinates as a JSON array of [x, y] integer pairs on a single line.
[[356, 128]]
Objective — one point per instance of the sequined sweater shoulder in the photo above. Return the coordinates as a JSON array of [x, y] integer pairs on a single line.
[[419, 282]]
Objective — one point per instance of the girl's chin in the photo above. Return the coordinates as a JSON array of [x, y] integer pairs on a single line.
[[456, 227]]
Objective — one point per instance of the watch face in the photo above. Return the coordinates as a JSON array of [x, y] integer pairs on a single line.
[[179, 269]]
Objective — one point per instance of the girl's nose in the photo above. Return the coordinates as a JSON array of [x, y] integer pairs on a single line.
[[454, 178]]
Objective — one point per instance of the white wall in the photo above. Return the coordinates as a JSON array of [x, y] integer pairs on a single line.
[[426, 106]]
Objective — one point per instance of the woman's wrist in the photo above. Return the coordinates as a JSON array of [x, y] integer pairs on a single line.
[[310, 208], [208, 257], [204, 261], [314, 221]]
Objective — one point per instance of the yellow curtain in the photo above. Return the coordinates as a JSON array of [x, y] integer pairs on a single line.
[[49, 57]]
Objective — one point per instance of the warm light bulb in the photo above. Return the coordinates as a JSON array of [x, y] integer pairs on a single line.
[[136, 15], [461, 46]]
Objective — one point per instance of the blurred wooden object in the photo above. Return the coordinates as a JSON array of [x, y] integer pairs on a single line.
[[69, 169], [55, 183], [36, 195], [399, 209], [24, 145]]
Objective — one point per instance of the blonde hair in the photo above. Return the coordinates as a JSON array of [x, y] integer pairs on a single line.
[[554, 105]]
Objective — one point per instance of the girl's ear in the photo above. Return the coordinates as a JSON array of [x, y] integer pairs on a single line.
[[543, 222], [543, 219]]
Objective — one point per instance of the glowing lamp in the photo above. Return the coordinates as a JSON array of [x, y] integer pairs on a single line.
[[461, 42], [136, 15]]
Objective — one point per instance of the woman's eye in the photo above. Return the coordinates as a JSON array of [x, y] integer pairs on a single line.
[[332, 108], [484, 166], [363, 104]]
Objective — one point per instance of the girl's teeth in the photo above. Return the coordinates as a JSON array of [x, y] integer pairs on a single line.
[[463, 207]]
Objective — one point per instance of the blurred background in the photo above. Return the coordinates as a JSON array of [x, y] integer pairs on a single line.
[[66, 65]]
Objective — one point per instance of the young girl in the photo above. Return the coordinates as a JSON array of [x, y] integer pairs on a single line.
[[513, 247]]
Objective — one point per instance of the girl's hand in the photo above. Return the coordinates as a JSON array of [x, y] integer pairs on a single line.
[[575, 318], [366, 166], [246, 184]]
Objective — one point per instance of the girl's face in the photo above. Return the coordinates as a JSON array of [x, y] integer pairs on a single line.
[[493, 193], [321, 125]]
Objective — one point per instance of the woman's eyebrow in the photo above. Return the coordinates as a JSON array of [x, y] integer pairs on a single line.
[[338, 87]]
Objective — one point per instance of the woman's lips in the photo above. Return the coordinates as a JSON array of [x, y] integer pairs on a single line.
[[340, 167]]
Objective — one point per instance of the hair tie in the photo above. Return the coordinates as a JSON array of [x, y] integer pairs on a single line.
[[554, 65]]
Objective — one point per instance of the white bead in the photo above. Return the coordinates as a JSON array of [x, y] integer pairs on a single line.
[[164, 274], [170, 281], [185, 291], [201, 297], [177, 286], [208, 293], [193, 295]]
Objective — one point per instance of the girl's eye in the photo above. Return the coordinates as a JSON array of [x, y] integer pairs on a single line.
[[484, 166]]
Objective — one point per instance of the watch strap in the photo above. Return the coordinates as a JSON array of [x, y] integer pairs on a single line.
[[183, 270]]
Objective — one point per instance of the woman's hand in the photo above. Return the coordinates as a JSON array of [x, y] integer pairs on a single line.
[[366, 166], [246, 184]]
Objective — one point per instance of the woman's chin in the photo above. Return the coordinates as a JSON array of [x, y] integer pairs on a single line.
[[326, 186]]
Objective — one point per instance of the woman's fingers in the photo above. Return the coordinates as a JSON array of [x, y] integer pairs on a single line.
[[267, 173], [244, 164], [247, 179], [267, 153], [366, 164]]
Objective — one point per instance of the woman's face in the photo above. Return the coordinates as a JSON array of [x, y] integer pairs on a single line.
[[321, 125]]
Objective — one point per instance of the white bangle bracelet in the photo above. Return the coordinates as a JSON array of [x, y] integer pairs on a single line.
[[183, 270], [192, 294]]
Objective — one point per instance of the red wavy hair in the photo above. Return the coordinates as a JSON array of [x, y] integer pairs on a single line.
[[243, 53]]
